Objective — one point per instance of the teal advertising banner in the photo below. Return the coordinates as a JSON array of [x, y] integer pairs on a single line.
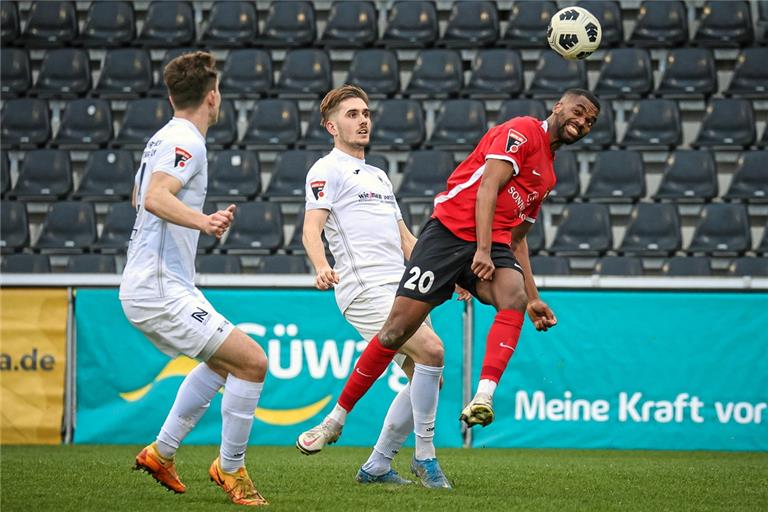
[[637, 370], [125, 386]]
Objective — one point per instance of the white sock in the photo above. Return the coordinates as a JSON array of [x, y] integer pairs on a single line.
[[192, 400], [486, 387], [237, 407], [338, 414], [398, 424], [425, 387]]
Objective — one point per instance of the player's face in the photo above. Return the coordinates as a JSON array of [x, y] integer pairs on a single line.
[[575, 116], [351, 123], [215, 104]]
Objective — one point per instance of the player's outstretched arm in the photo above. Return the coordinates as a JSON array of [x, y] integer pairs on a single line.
[[538, 311], [314, 222]]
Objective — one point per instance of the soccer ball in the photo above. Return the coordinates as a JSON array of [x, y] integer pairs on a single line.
[[574, 33]]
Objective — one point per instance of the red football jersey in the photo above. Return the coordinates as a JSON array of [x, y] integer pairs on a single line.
[[522, 141]]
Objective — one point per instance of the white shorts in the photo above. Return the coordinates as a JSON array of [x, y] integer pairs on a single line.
[[370, 309], [181, 325]]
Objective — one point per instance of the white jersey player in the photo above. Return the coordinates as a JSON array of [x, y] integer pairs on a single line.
[[159, 296], [355, 205]]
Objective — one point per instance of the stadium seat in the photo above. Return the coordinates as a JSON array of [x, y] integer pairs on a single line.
[[619, 266], [109, 176], [763, 142], [460, 124], [725, 23], [306, 73], [50, 24], [9, 23], [234, 175], [608, 13], [554, 74], [274, 124], [351, 25], [5, 174], [398, 124], [436, 73], [376, 71], [727, 122], [168, 24], [283, 264], [290, 174], [25, 123], [425, 174], [69, 227], [224, 132], [411, 24], [117, 230], [218, 264], [15, 233], [247, 73], [378, 161], [750, 179], [108, 24], [125, 73], [159, 88], [536, 238], [289, 24], [472, 24], [496, 73], [603, 132], [749, 266], [687, 266], [91, 264], [64, 73], [528, 22], [654, 123], [316, 136], [87, 123], [143, 118], [295, 245], [258, 227], [688, 175], [761, 28], [660, 25], [568, 184], [750, 75], [26, 263], [15, 72], [207, 243], [45, 175], [689, 72], [625, 73], [722, 228], [617, 176], [231, 24], [653, 229], [550, 266], [521, 107], [584, 229]]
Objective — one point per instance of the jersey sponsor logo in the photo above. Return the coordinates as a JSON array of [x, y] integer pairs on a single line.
[[317, 188], [515, 139], [532, 197], [516, 197], [182, 157]]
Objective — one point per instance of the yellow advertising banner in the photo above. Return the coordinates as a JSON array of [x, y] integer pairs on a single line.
[[33, 341]]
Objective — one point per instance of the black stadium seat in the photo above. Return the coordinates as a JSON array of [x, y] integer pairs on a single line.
[[168, 24], [5, 173], [378, 161], [608, 13], [550, 265], [689, 72], [274, 124], [234, 175], [306, 73], [625, 73], [584, 229], [218, 264], [26, 263], [258, 227], [619, 266], [91, 264], [472, 24], [727, 122], [108, 24], [425, 174], [109, 176], [749, 266], [289, 24], [459, 125], [376, 71], [15, 72], [9, 23], [142, 119], [86, 123], [247, 72], [69, 227], [688, 176], [398, 124], [722, 228], [283, 264], [316, 136], [535, 238], [295, 245], [411, 24], [725, 23], [521, 107], [660, 24], [224, 132], [25, 123], [231, 24], [351, 25], [568, 184], [15, 233], [118, 227], [750, 76], [64, 73], [527, 24], [653, 230], [289, 175], [50, 24], [554, 74], [654, 123], [750, 179], [617, 176], [436, 73], [46, 175], [687, 266], [496, 73], [125, 73]]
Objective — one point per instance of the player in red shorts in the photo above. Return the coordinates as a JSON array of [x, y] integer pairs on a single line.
[[492, 199]]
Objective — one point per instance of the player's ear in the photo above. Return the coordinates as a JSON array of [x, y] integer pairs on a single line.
[[330, 126], [557, 107]]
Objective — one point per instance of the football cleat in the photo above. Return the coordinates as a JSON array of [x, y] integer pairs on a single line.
[[390, 477], [430, 473], [161, 469], [313, 440], [238, 485], [479, 411]]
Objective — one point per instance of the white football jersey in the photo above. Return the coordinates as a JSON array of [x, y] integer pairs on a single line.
[[161, 255], [362, 227]]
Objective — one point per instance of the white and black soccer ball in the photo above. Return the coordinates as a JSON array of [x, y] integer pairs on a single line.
[[574, 33]]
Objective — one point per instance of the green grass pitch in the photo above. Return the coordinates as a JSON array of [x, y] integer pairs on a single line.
[[100, 478]]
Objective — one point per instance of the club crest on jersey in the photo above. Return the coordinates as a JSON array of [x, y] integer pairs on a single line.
[[515, 139], [182, 156], [317, 188], [533, 196]]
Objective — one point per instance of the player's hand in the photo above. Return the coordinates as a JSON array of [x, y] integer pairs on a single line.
[[541, 315], [482, 265], [462, 293], [217, 223], [326, 278]]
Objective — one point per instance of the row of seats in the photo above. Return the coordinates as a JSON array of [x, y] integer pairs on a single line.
[[616, 176], [654, 124], [410, 24], [295, 264], [584, 229], [626, 73]]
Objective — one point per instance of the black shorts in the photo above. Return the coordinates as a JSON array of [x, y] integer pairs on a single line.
[[440, 260]]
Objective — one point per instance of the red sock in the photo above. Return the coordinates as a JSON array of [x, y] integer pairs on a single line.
[[501, 342], [372, 363]]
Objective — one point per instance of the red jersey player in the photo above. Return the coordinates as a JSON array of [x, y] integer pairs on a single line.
[[490, 203]]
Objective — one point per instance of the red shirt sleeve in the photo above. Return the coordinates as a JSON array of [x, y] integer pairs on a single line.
[[512, 142]]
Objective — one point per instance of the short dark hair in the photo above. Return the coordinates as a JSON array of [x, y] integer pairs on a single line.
[[585, 93], [189, 77], [336, 96]]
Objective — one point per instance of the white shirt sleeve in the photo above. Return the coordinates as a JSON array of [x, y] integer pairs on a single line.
[[320, 187], [180, 160]]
